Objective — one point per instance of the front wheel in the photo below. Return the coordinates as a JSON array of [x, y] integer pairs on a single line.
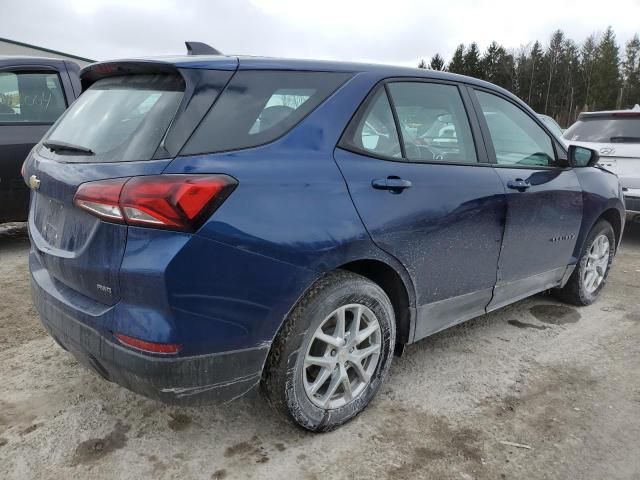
[[590, 275], [332, 353]]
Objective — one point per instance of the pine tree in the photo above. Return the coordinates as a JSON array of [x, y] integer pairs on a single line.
[[536, 78], [490, 62], [437, 62], [422, 64], [456, 65], [472, 66], [521, 77], [553, 57], [588, 54], [498, 66], [606, 74], [631, 74], [572, 83]]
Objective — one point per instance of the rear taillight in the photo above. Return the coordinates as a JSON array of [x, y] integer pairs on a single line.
[[178, 202]]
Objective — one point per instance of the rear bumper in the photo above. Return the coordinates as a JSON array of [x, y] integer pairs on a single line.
[[632, 203], [203, 379]]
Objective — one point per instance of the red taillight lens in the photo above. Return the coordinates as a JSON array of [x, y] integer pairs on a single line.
[[180, 202], [151, 347]]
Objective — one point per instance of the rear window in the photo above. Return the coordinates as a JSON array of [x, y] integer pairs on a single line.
[[258, 107], [605, 130], [119, 119]]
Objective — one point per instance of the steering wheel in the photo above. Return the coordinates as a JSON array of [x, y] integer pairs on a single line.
[[424, 152]]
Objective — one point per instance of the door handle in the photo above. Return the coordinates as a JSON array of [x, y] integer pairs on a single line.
[[518, 184], [393, 184]]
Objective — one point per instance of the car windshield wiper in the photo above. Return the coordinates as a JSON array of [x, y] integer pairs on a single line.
[[67, 147], [624, 139]]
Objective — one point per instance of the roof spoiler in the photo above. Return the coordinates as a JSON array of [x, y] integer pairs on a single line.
[[199, 48], [95, 71]]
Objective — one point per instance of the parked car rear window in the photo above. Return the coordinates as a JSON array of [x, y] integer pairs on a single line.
[[30, 97], [605, 130], [120, 118], [258, 107]]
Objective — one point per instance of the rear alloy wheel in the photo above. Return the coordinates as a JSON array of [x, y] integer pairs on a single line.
[[590, 275], [342, 356], [332, 353]]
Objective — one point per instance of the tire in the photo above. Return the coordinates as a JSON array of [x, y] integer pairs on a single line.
[[287, 378], [577, 290]]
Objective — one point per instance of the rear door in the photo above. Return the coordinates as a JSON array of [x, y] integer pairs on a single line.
[[120, 127], [544, 199], [427, 196], [31, 100]]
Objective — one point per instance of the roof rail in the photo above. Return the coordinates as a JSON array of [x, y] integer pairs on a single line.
[[199, 48]]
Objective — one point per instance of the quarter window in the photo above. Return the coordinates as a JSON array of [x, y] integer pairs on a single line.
[[374, 131], [257, 107], [29, 97], [517, 139], [433, 122]]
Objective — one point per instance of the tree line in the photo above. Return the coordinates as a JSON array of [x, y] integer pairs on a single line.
[[560, 79]]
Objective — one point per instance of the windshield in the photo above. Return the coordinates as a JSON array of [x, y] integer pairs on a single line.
[[117, 119], [605, 130]]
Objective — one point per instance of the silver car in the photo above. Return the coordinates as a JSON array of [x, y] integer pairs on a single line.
[[615, 135]]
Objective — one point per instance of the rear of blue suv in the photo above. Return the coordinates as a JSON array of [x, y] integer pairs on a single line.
[[198, 226], [171, 275]]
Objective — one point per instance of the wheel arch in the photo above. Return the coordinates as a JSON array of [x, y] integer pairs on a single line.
[[387, 278], [612, 215]]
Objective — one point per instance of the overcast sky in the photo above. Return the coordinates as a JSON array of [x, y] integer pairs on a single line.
[[391, 31]]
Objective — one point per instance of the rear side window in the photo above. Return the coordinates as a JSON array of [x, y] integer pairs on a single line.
[[258, 107], [119, 119], [30, 97], [614, 129], [433, 122]]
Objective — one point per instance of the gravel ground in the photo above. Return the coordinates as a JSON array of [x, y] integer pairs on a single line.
[[564, 382]]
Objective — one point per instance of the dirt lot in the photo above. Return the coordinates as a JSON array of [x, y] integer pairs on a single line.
[[565, 382]]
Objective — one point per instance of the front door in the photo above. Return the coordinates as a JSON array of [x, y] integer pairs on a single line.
[[427, 196], [544, 201]]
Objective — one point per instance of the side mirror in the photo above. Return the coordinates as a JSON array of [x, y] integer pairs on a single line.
[[582, 156]]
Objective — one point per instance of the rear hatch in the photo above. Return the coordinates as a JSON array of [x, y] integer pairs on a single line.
[[616, 137], [131, 120]]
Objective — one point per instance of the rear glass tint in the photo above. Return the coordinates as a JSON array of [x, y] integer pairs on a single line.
[[615, 129], [119, 119], [258, 107]]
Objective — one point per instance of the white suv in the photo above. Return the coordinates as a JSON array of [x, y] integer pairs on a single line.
[[615, 135]]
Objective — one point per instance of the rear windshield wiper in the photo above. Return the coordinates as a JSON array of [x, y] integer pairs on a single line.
[[67, 147], [624, 139]]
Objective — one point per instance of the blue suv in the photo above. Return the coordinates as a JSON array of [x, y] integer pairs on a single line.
[[202, 226]]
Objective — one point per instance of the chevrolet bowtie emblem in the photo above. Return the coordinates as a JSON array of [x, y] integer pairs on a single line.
[[34, 182]]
